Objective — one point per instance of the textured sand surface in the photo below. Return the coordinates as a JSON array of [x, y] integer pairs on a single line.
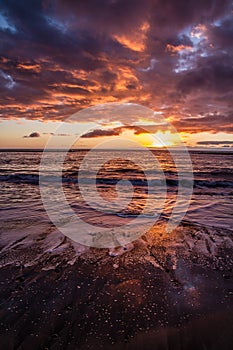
[[164, 291]]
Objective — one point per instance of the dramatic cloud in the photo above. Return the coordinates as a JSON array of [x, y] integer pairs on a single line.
[[101, 133], [136, 130], [211, 74], [32, 135], [213, 122], [58, 57]]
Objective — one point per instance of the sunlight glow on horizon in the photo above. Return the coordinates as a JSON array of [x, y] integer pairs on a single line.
[[12, 134]]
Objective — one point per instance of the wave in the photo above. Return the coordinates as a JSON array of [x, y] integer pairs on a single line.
[[212, 184], [22, 178], [171, 182]]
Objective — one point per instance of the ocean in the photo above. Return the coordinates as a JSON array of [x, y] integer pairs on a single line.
[[210, 204], [164, 287]]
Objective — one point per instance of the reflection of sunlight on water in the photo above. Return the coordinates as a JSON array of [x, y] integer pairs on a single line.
[[111, 187], [211, 203]]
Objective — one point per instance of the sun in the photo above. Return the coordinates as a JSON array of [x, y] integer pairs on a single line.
[[165, 139], [159, 139]]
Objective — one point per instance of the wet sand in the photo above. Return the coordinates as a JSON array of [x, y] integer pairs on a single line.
[[165, 291]]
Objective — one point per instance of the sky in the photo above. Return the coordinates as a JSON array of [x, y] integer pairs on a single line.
[[60, 57]]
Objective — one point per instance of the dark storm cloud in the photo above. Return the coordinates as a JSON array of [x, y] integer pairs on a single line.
[[213, 122], [58, 57], [121, 15], [107, 16], [222, 34], [212, 73]]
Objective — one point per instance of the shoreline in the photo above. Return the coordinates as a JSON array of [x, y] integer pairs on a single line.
[[162, 288]]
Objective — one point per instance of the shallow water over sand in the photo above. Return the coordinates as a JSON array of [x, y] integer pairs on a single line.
[[57, 294]]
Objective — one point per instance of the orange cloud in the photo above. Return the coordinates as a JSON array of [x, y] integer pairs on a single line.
[[199, 31], [178, 48], [30, 67], [135, 41]]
